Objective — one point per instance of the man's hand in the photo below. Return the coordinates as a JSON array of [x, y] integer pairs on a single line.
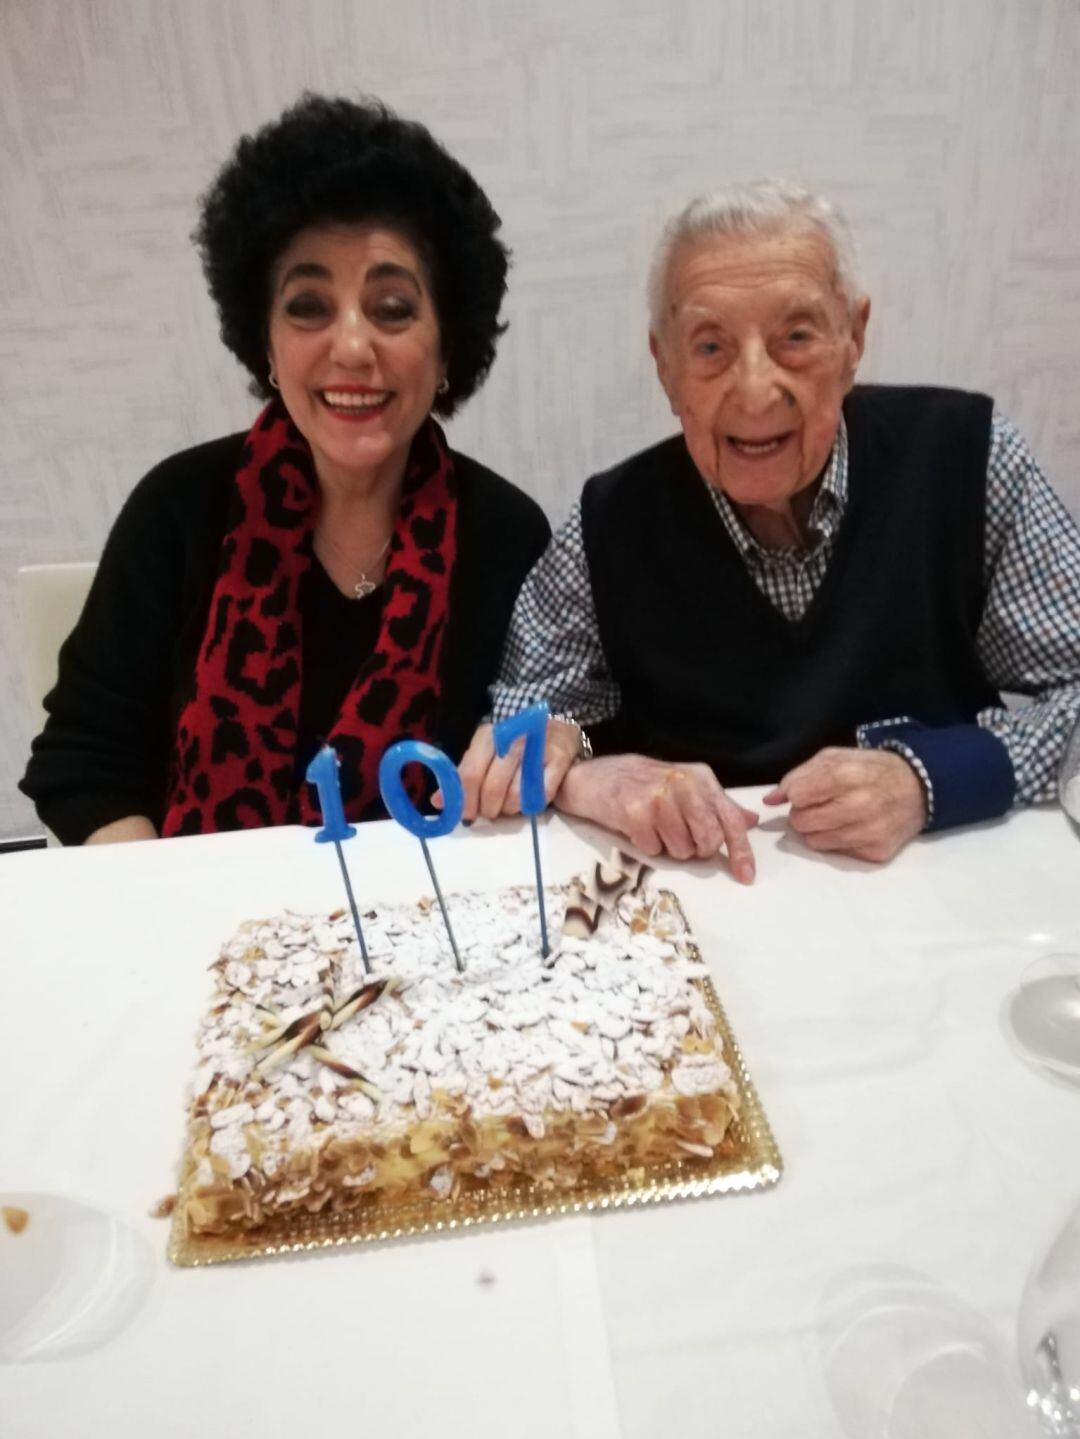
[[863, 802], [493, 785], [661, 807]]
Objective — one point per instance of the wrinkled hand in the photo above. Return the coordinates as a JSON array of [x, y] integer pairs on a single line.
[[662, 807], [863, 802], [493, 785]]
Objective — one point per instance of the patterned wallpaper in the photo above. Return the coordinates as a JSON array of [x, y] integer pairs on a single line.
[[949, 132]]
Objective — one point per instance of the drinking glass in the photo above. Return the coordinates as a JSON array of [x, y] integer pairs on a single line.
[[1048, 1018], [1049, 1334], [1041, 1017]]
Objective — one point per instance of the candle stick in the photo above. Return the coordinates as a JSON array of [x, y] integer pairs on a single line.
[[322, 772], [531, 723], [424, 827]]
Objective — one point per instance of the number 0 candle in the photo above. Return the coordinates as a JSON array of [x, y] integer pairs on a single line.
[[429, 826]]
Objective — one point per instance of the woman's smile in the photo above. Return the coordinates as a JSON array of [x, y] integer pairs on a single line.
[[355, 403]]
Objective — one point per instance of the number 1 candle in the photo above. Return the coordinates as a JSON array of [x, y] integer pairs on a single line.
[[322, 772], [532, 723]]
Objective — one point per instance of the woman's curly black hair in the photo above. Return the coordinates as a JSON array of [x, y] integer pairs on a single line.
[[335, 161]]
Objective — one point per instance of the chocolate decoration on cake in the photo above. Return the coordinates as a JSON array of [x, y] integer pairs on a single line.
[[600, 891]]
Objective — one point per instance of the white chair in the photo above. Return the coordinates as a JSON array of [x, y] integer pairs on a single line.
[[51, 598]]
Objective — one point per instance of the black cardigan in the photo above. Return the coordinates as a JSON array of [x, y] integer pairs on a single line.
[[127, 667]]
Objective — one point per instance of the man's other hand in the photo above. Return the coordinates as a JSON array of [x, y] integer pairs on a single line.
[[864, 802], [680, 810]]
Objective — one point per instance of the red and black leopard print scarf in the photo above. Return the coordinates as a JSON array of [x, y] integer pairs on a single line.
[[234, 761]]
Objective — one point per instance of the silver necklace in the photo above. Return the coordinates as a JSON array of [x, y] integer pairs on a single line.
[[364, 586]]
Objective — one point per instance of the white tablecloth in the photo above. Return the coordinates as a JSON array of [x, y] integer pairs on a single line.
[[866, 1001]]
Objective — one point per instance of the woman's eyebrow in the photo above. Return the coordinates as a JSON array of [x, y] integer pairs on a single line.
[[312, 270], [387, 270], [304, 270]]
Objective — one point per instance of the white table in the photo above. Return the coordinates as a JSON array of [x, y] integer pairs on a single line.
[[866, 1002]]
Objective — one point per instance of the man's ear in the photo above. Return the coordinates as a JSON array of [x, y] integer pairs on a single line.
[[860, 316], [663, 369]]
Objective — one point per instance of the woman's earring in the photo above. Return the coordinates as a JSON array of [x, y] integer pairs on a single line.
[[443, 387], [273, 379]]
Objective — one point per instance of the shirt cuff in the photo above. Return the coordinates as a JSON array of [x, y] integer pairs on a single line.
[[965, 770]]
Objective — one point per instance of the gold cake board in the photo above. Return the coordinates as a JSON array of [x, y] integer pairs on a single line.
[[747, 1159]]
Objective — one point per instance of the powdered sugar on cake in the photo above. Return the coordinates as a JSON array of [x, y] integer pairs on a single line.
[[304, 1053], [596, 1022]]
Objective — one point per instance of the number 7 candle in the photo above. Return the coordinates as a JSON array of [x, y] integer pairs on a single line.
[[531, 723]]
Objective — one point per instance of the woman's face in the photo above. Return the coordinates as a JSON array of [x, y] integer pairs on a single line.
[[354, 343]]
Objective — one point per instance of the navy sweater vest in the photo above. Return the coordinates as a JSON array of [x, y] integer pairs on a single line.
[[709, 670]]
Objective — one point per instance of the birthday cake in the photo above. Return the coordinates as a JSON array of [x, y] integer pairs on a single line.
[[322, 1087]]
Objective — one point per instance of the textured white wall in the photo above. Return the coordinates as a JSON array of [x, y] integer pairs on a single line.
[[949, 132]]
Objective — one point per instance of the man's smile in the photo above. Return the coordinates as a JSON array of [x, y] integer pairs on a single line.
[[758, 446]]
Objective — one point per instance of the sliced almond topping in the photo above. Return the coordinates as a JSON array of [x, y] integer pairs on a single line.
[[700, 1151]]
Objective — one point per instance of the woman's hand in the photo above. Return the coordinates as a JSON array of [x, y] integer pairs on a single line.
[[135, 826], [493, 785], [680, 810]]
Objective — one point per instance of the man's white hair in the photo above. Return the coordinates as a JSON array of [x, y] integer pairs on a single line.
[[762, 208]]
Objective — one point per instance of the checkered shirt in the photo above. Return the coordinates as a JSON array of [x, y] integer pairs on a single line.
[[1028, 640]]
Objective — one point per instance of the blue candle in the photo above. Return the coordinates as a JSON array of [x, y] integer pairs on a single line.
[[424, 826], [396, 798], [322, 772], [531, 723]]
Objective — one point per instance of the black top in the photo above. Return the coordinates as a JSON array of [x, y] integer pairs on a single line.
[[127, 667], [338, 635], [710, 670]]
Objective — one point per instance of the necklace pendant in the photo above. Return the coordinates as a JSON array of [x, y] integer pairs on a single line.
[[364, 587]]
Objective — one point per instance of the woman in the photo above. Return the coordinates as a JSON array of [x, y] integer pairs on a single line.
[[338, 573]]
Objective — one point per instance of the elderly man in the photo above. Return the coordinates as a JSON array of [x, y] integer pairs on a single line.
[[815, 585]]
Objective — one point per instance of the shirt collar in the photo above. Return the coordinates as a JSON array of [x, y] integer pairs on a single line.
[[826, 513]]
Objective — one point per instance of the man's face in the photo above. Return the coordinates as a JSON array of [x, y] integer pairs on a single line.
[[756, 350]]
